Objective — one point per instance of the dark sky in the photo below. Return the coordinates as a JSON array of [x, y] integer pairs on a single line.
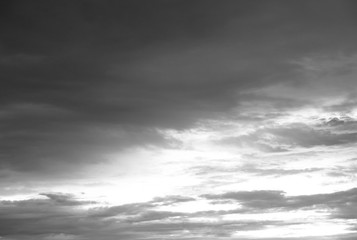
[[72, 67], [81, 80]]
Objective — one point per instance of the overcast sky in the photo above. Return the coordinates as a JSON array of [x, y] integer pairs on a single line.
[[178, 120]]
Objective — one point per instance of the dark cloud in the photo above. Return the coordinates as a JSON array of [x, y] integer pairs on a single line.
[[35, 217], [254, 199], [81, 80], [136, 209], [60, 147], [73, 69], [335, 122], [65, 199], [341, 124], [52, 199], [59, 215], [341, 203]]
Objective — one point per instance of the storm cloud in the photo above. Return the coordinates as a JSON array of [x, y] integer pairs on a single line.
[[74, 71]]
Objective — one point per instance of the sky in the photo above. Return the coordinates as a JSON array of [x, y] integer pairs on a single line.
[[178, 120]]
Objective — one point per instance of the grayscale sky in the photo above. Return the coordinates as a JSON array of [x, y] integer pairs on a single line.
[[178, 120]]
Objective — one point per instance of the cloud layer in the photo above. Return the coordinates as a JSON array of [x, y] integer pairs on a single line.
[[80, 70], [61, 215], [238, 119]]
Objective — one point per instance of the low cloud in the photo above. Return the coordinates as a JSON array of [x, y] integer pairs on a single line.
[[61, 215], [341, 203], [65, 199], [285, 137]]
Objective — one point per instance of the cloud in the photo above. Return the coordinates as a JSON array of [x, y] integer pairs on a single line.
[[85, 81], [284, 137], [49, 144], [253, 199], [65, 199], [65, 97], [341, 203], [42, 216], [276, 171], [252, 169], [60, 216], [154, 216], [170, 200]]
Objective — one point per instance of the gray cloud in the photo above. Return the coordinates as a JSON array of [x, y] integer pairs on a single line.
[[252, 169], [80, 70], [170, 200], [254, 199], [276, 171], [346, 106], [33, 217], [45, 147], [340, 124], [83, 79], [282, 138], [342, 203], [65, 199], [59, 215]]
